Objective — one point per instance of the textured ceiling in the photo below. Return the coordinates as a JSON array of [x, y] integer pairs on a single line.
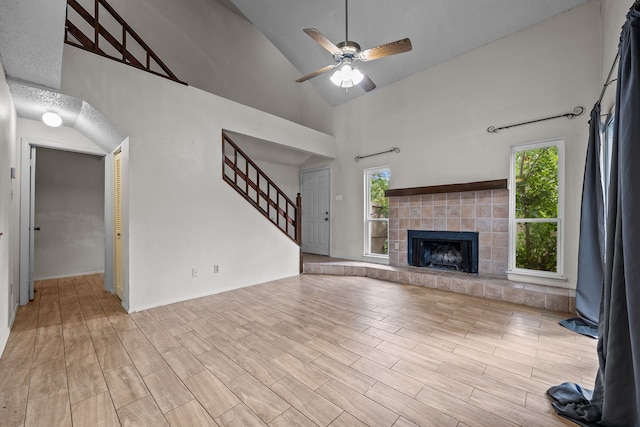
[[439, 30], [31, 102], [31, 40]]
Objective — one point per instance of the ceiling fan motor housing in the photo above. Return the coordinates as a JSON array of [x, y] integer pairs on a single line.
[[349, 50]]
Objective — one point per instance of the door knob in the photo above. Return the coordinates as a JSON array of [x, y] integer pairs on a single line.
[[36, 228]]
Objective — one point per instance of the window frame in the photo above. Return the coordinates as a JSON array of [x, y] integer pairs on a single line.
[[367, 213], [559, 220]]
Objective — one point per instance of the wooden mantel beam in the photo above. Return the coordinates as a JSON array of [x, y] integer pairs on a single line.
[[496, 184]]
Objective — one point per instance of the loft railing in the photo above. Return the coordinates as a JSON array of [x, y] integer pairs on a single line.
[[240, 172], [95, 33]]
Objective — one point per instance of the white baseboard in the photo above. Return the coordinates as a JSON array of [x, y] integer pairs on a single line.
[[13, 315], [64, 276], [4, 337], [202, 294]]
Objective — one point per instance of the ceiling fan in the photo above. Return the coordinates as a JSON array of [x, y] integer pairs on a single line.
[[347, 53]]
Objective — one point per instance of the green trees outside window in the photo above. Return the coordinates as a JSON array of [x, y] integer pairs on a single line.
[[536, 221], [377, 211]]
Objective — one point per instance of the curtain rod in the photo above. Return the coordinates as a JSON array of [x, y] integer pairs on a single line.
[[636, 6], [609, 81], [391, 150], [576, 112]]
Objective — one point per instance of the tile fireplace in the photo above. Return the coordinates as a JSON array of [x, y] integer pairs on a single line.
[[485, 212]]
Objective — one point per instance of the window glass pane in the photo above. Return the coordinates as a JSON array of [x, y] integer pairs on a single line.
[[536, 176], [379, 237], [537, 246], [377, 212], [378, 203]]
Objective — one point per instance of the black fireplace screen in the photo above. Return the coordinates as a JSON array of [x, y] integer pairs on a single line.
[[446, 250]]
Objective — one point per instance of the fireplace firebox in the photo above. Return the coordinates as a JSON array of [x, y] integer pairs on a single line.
[[445, 250]]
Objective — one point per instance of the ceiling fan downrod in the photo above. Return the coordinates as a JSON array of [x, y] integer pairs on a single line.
[[346, 22]]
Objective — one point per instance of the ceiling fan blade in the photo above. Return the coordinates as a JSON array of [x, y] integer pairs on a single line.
[[323, 41], [393, 48], [316, 73], [367, 84]]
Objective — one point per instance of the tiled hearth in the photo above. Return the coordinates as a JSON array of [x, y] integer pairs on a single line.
[[486, 212], [493, 288]]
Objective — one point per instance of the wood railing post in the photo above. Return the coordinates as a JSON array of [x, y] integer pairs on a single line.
[[299, 219], [299, 227], [96, 24]]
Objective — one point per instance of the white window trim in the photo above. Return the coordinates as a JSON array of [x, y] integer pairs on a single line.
[[559, 274], [367, 240]]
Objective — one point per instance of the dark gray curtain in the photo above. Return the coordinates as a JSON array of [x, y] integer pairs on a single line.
[[616, 398], [619, 345], [591, 252]]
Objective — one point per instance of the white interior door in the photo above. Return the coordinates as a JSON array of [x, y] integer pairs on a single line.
[[32, 218], [315, 211]]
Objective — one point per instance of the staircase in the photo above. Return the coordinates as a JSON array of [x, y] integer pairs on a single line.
[[241, 173], [90, 31]]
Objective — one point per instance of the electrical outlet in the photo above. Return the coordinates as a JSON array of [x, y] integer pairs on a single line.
[[396, 245], [215, 269], [194, 272]]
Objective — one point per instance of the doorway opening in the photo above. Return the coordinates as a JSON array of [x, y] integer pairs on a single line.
[[66, 214]]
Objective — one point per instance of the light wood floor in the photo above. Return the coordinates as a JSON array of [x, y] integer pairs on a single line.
[[310, 350]]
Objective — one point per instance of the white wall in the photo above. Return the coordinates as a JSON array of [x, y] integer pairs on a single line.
[[181, 213], [439, 118], [213, 49], [614, 13], [69, 210], [8, 213]]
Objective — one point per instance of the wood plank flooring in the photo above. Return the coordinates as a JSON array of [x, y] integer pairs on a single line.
[[304, 351]]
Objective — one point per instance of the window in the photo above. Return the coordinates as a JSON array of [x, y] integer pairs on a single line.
[[606, 151], [376, 212], [536, 209]]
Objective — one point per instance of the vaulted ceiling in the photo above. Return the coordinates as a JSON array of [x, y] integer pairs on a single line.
[[439, 30]]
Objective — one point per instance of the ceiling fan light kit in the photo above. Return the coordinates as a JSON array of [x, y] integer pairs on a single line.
[[347, 76], [348, 52]]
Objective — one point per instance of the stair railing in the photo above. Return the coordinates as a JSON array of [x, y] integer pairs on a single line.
[[98, 33], [241, 173]]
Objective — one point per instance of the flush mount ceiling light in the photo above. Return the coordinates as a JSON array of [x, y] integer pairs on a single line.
[[348, 52], [52, 119]]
